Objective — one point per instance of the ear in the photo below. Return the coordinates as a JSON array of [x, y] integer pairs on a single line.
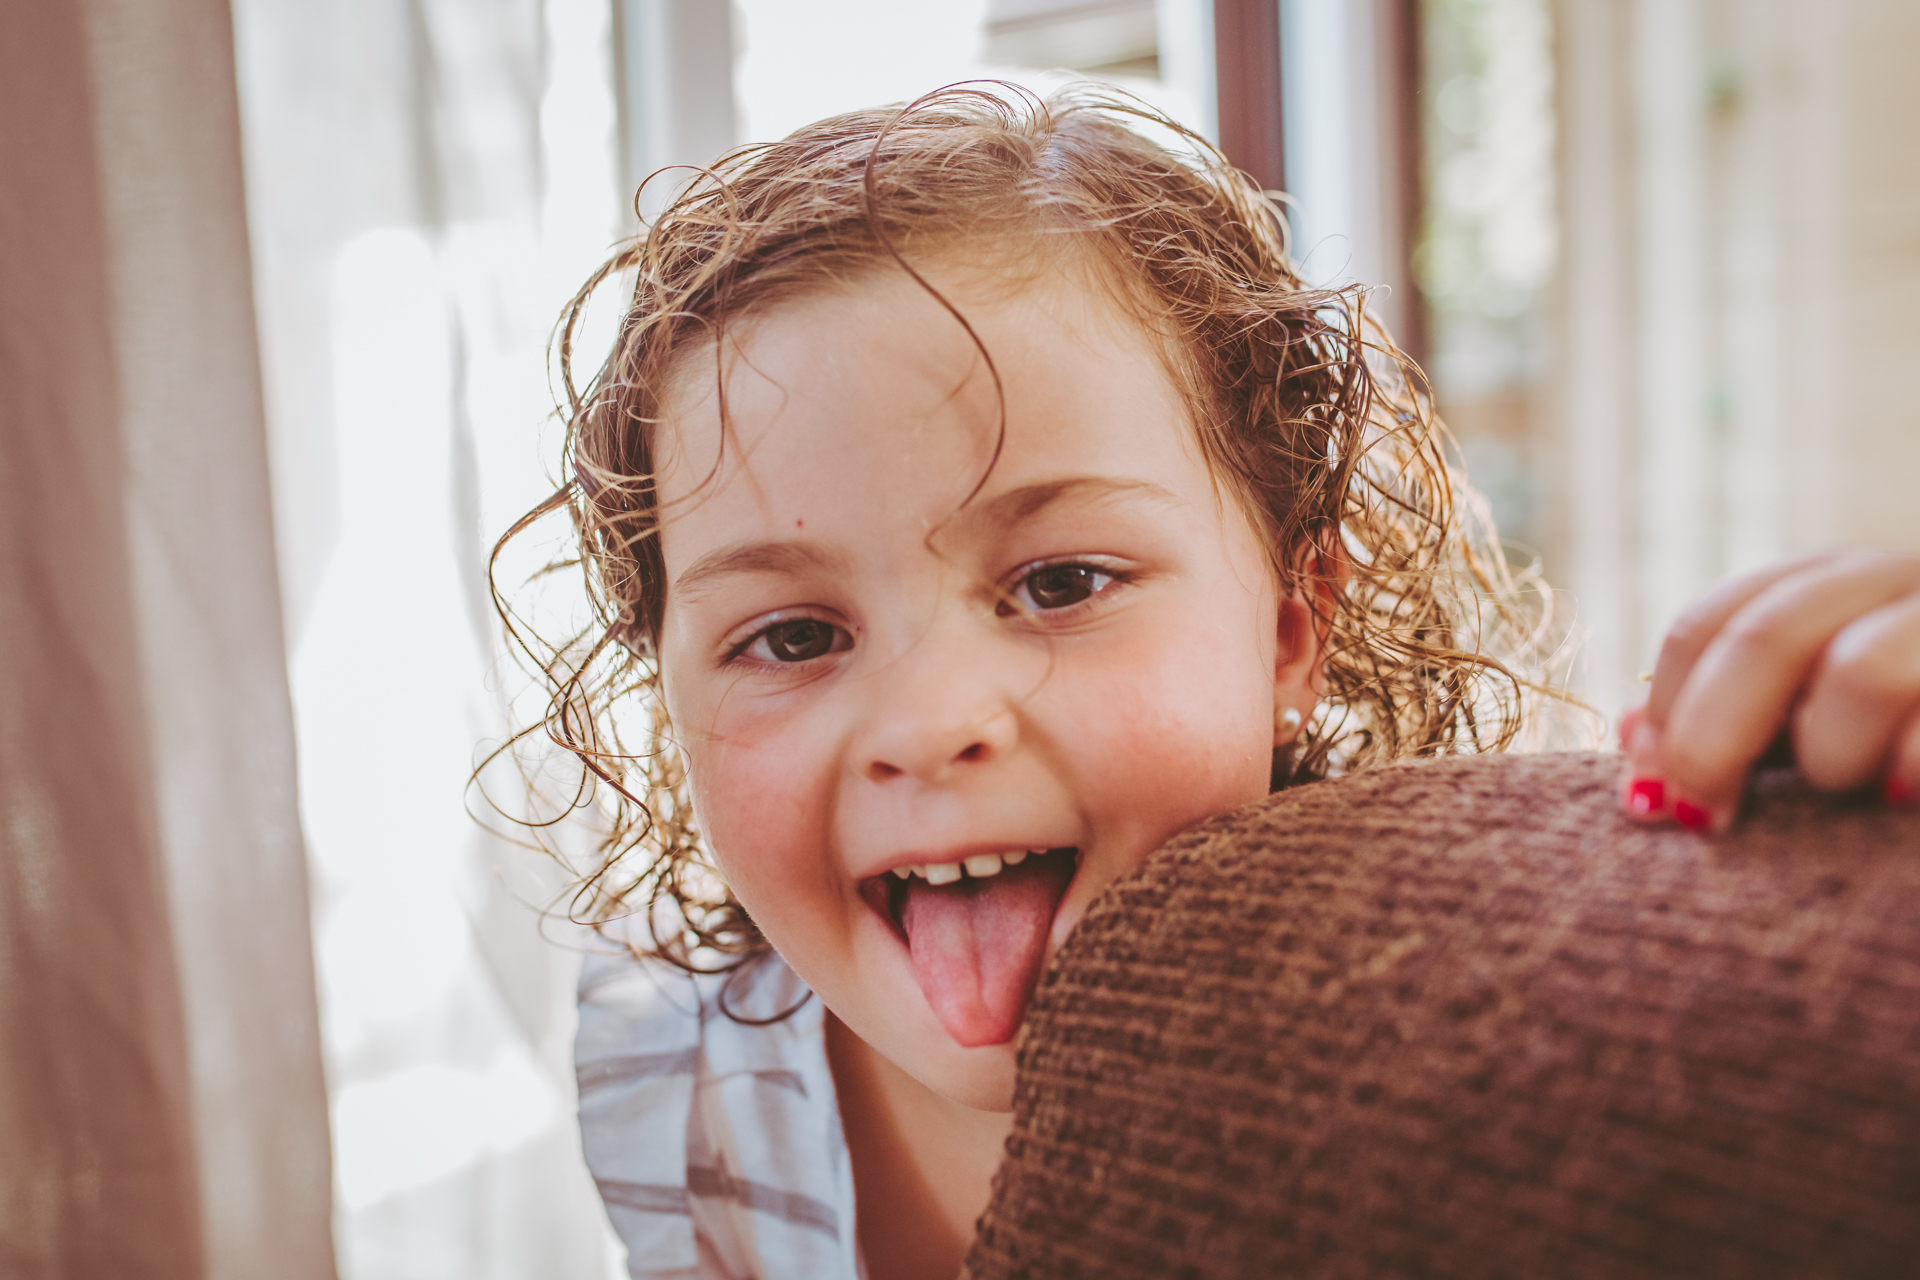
[[1305, 621]]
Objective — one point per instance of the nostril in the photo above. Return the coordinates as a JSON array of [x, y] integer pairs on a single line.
[[882, 771]]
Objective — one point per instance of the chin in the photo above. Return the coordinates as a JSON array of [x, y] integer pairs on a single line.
[[979, 1078]]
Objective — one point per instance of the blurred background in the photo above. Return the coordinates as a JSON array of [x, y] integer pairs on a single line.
[[1658, 257]]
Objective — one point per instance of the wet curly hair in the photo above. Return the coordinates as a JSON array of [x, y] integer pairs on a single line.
[[1305, 411]]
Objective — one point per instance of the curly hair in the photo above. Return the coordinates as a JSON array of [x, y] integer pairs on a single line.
[[1304, 408]]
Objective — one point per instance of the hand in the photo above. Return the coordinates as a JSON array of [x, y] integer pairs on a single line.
[[1827, 647]]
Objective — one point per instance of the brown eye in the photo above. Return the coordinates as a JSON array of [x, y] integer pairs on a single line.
[[799, 640], [1058, 585]]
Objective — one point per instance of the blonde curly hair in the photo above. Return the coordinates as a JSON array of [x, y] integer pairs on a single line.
[[1304, 408]]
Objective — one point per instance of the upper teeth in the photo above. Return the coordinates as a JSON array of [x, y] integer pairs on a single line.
[[980, 864]]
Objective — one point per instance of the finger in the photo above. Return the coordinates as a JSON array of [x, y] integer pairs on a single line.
[[1643, 791], [1903, 774], [1865, 687], [1740, 688], [1631, 722], [1700, 622]]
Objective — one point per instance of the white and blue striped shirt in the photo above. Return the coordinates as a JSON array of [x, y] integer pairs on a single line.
[[716, 1144]]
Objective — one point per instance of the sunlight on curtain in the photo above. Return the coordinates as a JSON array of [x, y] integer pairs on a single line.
[[429, 181], [802, 62], [162, 1107]]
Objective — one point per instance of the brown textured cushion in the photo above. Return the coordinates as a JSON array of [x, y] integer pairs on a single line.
[[1462, 1019]]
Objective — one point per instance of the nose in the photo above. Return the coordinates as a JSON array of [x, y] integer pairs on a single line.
[[933, 713]]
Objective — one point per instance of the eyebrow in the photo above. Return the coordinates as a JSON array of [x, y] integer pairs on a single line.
[[1001, 511], [752, 557], [1027, 501]]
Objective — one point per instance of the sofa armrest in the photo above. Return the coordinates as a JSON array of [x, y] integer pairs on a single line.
[[1461, 1018]]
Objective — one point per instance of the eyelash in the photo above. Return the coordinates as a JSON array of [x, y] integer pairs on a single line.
[[738, 653], [1107, 577]]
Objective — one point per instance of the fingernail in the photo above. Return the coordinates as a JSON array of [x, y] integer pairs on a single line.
[[1646, 797], [1692, 816], [1897, 792]]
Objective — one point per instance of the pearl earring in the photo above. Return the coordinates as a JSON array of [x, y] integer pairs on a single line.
[[1286, 723]]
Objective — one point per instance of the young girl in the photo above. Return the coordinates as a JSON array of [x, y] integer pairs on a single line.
[[973, 499]]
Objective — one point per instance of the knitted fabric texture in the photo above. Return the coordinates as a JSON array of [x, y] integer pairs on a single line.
[[1462, 1019]]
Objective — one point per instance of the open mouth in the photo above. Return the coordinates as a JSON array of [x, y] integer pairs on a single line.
[[977, 932]]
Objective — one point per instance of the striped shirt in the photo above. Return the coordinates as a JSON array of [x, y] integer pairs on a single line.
[[716, 1144]]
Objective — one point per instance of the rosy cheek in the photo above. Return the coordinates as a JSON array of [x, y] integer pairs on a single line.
[[758, 794], [1179, 741]]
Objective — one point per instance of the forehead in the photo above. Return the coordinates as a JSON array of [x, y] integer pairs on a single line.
[[872, 393]]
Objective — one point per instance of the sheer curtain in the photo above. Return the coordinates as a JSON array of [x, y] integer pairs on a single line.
[[162, 1112], [428, 181]]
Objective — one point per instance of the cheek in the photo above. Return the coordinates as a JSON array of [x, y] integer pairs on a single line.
[[1174, 731], [763, 797]]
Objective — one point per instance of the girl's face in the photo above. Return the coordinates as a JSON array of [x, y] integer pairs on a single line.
[[870, 672]]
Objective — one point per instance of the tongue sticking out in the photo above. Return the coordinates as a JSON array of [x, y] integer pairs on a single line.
[[977, 944]]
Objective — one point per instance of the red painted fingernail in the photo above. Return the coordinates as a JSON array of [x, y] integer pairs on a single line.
[[1692, 816], [1897, 792], [1646, 797]]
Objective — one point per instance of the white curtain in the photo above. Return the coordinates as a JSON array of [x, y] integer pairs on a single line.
[[428, 181], [162, 1112]]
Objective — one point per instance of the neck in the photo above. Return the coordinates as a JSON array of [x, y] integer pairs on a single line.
[[922, 1163]]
